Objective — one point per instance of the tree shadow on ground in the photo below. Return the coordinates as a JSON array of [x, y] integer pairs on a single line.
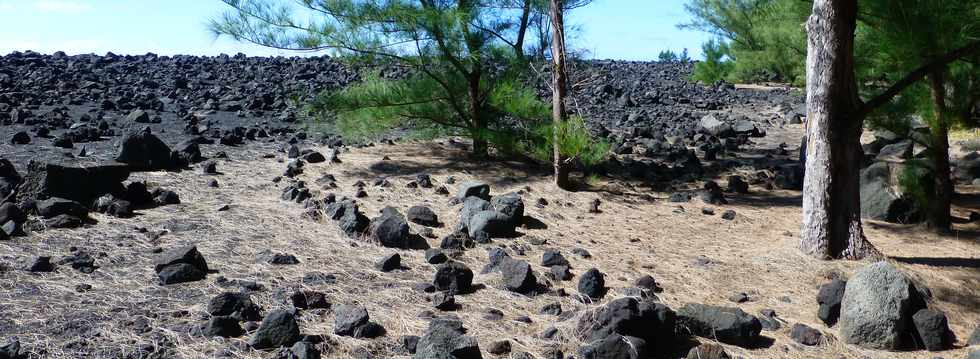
[[508, 173], [917, 233], [956, 295], [973, 263], [769, 199]]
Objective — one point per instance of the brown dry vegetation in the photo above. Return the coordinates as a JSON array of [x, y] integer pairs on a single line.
[[637, 233]]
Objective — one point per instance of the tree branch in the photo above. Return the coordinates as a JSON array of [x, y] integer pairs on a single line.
[[917, 75]]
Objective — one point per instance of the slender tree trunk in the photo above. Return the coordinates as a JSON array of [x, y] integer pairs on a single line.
[[481, 148], [559, 87], [940, 217], [831, 196], [543, 26], [522, 30]]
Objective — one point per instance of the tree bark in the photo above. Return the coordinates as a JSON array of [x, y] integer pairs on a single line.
[[522, 29], [558, 88], [481, 148], [940, 217], [831, 186]]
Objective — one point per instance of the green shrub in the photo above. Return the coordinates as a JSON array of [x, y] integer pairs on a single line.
[[575, 143], [918, 185], [715, 67], [667, 56]]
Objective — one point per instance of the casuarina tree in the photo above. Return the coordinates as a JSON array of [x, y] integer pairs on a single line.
[[462, 76], [835, 115], [558, 88]]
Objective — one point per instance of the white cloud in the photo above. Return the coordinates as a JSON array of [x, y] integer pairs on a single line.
[[61, 6], [6, 6]]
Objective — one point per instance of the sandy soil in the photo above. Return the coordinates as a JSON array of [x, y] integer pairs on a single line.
[[697, 258]]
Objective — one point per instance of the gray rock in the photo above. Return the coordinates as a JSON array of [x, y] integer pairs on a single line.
[[53, 207], [708, 351], [746, 127], [474, 189], [138, 116], [829, 297], [353, 222], [499, 347], [933, 330], [11, 350], [238, 305], [880, 201], [553, 257], [769, 320], [651, 321], [309, 299], [455, 277], [592, 284], [422, 215], [471, 206], [182, 264], [82, 183], [389, 263], [390, 229], [145, 152], [223, 326], [715, 127], [278, 329], [518, 276], [435, 256], [443, 301], [490, 224], [615, 347], [727, 325], [805, 335], [350, 318], [510, 205], [304, 350], [560, 273], [877, 308], [446, 339], [968, 167], [896, 152]]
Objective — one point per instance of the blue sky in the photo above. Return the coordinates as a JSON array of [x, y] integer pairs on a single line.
[[618, 29]]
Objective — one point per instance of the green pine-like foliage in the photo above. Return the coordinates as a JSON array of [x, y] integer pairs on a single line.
[[459, 58], [764, 38], [715, 66]]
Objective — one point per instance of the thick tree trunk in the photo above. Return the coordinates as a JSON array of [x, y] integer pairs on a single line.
[[831, 196], [558, 85], [940, 216]]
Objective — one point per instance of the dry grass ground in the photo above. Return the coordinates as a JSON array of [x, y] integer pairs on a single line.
[[636, 233]]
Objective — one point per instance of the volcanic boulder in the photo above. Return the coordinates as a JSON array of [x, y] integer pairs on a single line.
[[446, 339], [877, 308], [650, 322], [933, 330], [474, 189], [82, 184], [423, 215], [179, 265], [829, 297], [518, 276], [278, 329], [144, 151], [725, 324], [390, 229], [455, 277], [237, 305]]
